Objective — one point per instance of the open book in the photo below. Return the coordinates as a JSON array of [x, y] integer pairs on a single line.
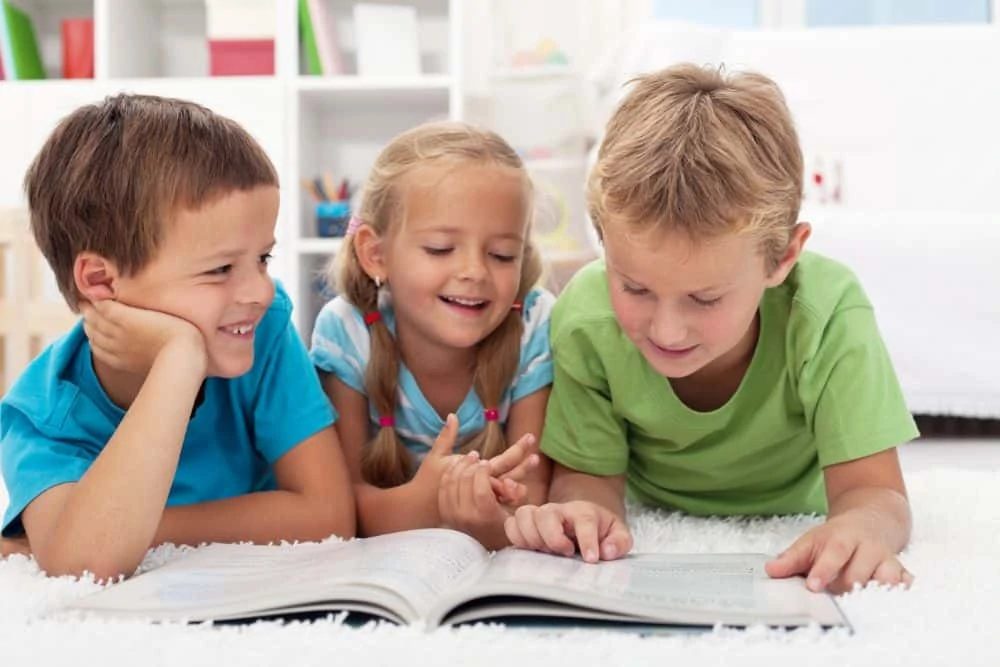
[[438, 577]]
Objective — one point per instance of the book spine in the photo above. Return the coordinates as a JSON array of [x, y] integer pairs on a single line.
[[313, 65]]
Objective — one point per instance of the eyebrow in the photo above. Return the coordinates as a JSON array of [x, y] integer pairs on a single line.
[[513, 236], [713, 288], [234, 252]]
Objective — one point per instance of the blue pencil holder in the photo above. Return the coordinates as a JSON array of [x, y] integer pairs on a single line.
[[332, 218]]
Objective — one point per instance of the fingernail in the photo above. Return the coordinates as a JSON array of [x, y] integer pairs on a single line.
[[815, 584], [610, 551], [590, 556], [473, 454]]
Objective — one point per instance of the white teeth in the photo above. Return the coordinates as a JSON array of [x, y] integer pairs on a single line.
[[241, 330], [464, 302]]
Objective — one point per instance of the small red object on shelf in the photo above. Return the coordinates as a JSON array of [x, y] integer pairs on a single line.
[[241, 57], [77, 48]]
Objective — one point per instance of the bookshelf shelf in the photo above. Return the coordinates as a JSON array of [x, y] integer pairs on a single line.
[[310, 125], [307, 124]]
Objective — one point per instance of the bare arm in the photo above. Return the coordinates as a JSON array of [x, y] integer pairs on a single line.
[[379, 510], [608, 492], [106, 522], [872, 488], [867, 526], [314, 500]]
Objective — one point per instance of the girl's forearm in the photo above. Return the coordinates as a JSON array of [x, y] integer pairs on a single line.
[[400, 508]]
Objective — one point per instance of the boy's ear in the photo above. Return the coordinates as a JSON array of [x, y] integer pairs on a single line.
[[371, 254], [96, 278], [800, 234]]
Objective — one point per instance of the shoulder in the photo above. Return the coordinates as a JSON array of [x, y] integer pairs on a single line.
[[824, 286], [339, 320], [277, 318], [820, 296], [45, 389], [537, 311], [584, 306]]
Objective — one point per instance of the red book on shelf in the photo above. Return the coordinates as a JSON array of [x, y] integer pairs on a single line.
[[2, 77], [78, 48], [241, 57]]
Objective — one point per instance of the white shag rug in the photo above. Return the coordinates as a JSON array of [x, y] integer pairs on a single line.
[[948, 617]]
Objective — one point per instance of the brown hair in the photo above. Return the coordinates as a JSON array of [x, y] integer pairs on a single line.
[[385, 461], [692, 150], [111, 174]]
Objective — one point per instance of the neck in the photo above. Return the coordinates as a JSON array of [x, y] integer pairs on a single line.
[[121, 386], [737, 360], [427, 359]]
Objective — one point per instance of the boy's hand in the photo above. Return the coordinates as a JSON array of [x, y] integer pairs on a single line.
[[561, 528], [843, 551], [14, 545], [129, 339]]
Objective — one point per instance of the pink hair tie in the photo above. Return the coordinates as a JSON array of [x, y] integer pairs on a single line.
[[353, 224], [491, 414], [386, 421]]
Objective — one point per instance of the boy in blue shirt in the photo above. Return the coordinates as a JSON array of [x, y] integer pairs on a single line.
[[183, 408]]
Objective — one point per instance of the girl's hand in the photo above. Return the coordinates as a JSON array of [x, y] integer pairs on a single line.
[[129, 339], [513, 464], [467, 500], [509, 469], [440, 457], [842, 552], [14, 545]]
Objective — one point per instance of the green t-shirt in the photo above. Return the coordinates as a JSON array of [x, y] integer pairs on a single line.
[[819, 390]]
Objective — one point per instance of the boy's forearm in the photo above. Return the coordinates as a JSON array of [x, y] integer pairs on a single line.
[[400, 508], [262, 518], [886, 510], [109, 518], [608, 492]]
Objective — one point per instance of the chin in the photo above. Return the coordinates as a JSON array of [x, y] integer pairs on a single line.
[[230, 368], [673, 370]]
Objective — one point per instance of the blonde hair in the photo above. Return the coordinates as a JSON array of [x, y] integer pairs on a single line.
[[692, 150], [385, 461]]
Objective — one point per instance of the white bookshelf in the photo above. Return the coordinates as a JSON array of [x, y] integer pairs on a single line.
[[307, 124]]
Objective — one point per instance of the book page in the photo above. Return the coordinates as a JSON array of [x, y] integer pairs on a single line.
[[666, 587], [405, 572]]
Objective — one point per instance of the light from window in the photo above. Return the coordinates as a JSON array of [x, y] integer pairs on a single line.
[[895, 12], [722, 13]]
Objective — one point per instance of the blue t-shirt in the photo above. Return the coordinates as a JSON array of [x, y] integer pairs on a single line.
[[341, 345], [56, 420]]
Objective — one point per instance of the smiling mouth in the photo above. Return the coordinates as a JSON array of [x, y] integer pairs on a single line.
[[461, 302], [242, 330], [673, 351]]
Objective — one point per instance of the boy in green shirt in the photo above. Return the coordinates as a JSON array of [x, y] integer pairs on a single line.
[[708, 364]]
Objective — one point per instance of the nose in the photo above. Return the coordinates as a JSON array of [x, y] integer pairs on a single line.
[[668, 327], [256, 288], [473, 266]]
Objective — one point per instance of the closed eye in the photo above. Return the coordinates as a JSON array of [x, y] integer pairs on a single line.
[[437, 252], [506, 259], [220, 270], [706, 303], [635, 291]]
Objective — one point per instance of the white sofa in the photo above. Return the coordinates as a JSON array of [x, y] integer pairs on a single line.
[[910, 113]]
